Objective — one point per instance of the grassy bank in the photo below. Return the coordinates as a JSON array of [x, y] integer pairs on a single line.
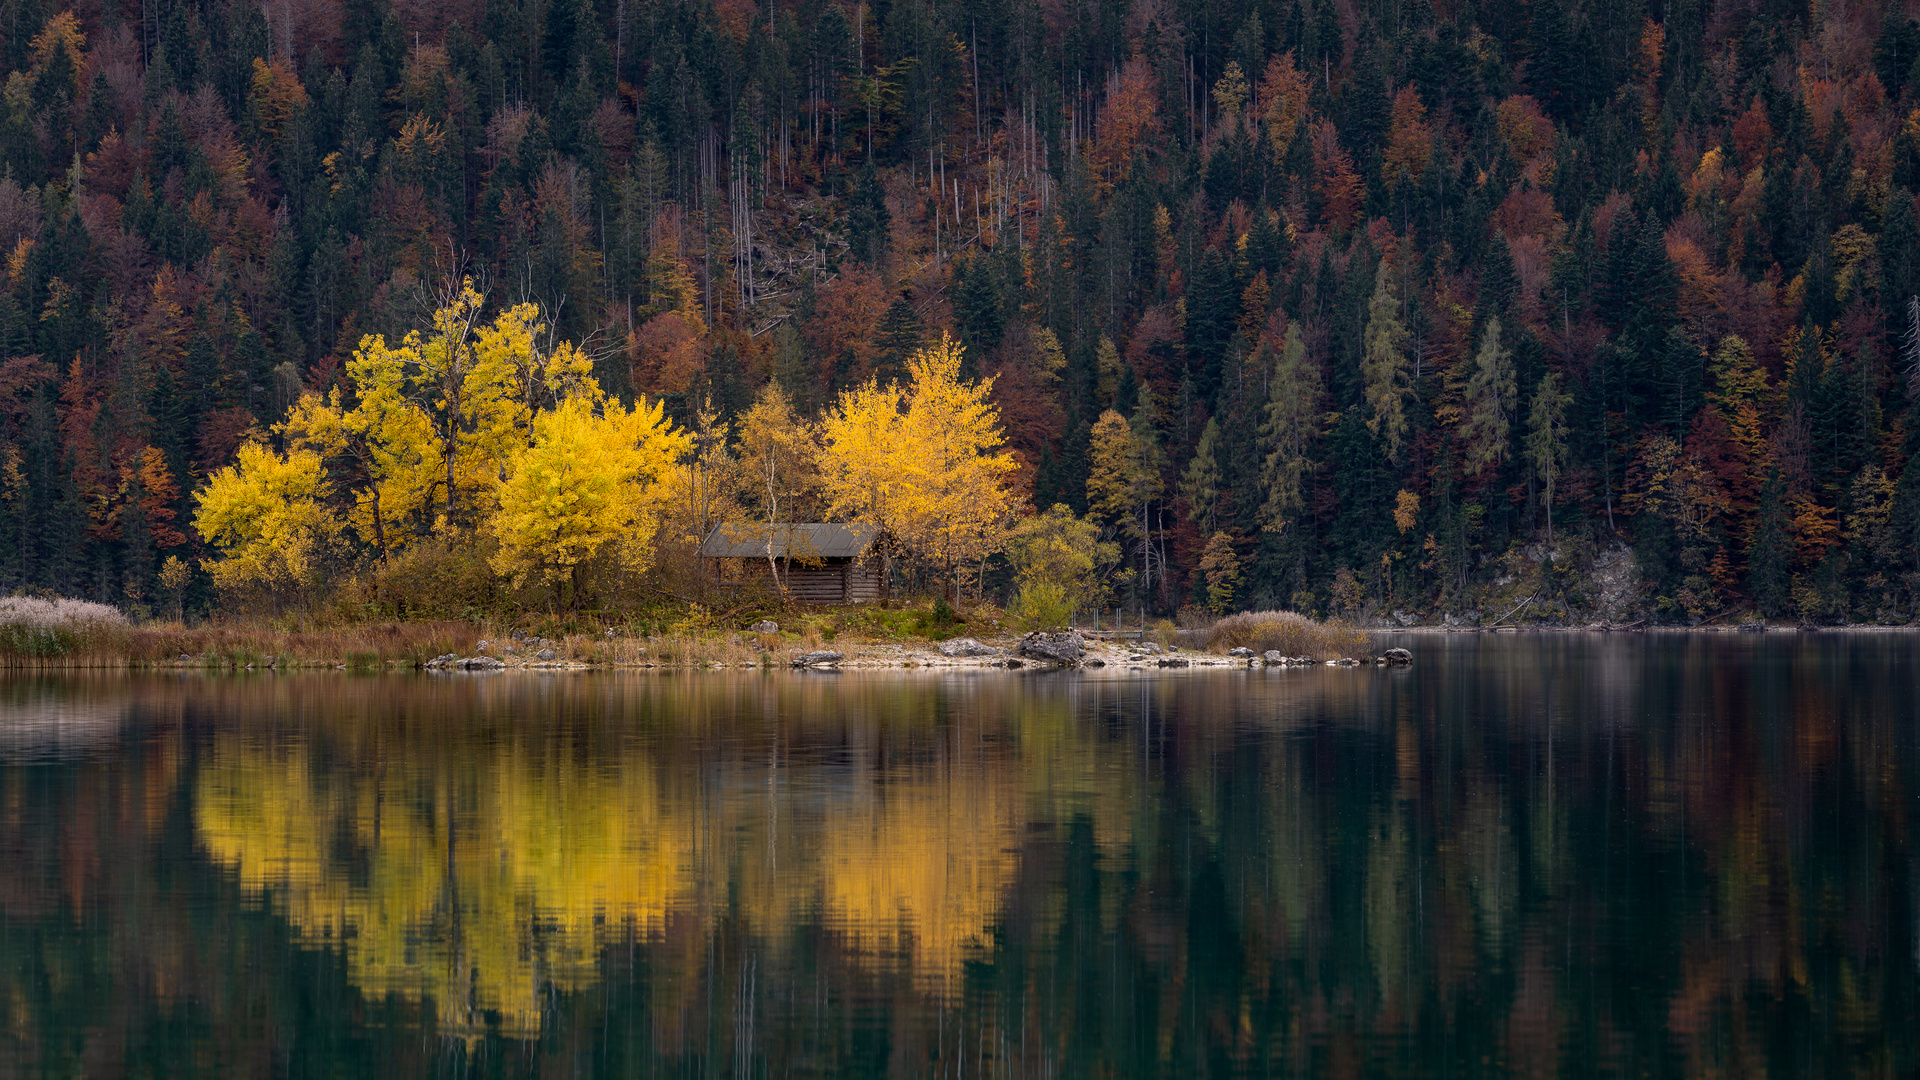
[[74, 635]]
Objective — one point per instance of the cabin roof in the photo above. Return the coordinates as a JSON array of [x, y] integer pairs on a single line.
[[798, 540]]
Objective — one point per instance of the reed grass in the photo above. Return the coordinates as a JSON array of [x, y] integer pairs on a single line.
[[369, 646], [1286, 632]]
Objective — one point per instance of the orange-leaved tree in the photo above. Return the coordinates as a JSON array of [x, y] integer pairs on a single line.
[[927, 461]]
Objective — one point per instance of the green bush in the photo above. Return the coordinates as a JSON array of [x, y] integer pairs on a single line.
[[1041, 605]]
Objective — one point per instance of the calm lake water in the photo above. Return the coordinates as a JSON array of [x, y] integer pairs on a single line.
[[1583, 855]]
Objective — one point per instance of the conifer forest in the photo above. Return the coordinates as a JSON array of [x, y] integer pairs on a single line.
[[1377, 308]]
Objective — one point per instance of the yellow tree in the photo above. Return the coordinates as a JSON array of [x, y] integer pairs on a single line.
[[267, 515], [449, 405], [383, 452], [1123, 482], [779, 458], [590, 478], [1061, 552], [439, 414], [927, 463]]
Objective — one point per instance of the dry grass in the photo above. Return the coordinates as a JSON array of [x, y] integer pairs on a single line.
[[677, 650], [1285, 632], [370, 646]]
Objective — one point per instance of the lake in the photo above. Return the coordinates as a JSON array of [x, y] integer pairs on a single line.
[[1647, 854]]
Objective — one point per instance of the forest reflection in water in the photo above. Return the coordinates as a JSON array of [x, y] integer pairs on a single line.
[[1555, 854]]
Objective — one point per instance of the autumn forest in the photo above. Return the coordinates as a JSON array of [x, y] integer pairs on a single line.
[[1353, 307]]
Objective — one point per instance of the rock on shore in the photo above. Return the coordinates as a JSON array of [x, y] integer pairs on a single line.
[[1067, 648], [966, 646]]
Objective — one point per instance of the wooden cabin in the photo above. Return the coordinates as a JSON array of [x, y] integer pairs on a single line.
[[820, 563]]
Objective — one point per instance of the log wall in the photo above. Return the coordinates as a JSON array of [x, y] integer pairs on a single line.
[[841, 581]]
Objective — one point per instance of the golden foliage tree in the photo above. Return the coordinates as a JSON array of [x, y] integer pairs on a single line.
[[446, 405], [267, 515], [590, 481], [779, 458], [1123, 483], [424, 440], [926, 462]]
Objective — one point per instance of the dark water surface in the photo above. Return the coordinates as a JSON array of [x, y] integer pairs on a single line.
[[1581, 855]]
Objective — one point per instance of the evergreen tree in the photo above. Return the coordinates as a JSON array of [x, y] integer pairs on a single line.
[[901, 333], [1770, 558], [1491, 400], [1200, 482], [1387, 369], [868, 220]]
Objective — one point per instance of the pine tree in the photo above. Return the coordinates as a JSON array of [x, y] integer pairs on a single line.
[[1906, 515], [868, 220], [1292, 423], [900, 335], [1546, 446], [1770, 557], [1220, 568], [1490, 403], [1386, 368], [1200, 482]]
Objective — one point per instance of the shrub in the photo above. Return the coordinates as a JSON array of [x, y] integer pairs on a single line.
[[1041, 605], [437, 579], [1286, 632]]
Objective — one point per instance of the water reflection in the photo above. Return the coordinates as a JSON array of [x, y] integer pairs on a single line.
[[1537, 855]]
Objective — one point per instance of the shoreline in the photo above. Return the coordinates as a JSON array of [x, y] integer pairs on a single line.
[[467, 649]]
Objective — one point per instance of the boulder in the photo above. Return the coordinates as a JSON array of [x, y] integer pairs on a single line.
[[482, 646], [1065, 648], [1397, 657], [479, 663], [1174, 661], [1274, 656], [820, 658], [543, 654], [765, 626], [966, 646], [438, 663], [1754, 626], [1240, 652]]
